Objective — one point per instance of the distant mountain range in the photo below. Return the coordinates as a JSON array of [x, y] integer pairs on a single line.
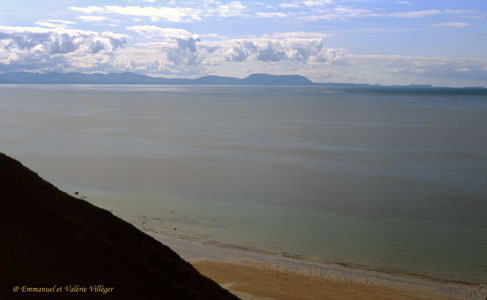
[[253, 79], [132, 78]]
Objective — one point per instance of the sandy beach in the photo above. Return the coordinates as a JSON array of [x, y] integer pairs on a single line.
[[253, 275], [255, 281]]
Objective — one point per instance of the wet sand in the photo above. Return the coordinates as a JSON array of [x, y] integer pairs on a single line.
[[253, 275], [257, 281]]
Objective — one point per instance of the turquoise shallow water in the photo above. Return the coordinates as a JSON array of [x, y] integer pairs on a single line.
[[398, 245], [385, 181]]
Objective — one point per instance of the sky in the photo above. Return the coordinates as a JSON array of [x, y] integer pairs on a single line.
[[439, 42]]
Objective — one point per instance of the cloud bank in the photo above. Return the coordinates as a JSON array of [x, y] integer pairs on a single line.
[[38, 48], [177, 52], [176, 14]]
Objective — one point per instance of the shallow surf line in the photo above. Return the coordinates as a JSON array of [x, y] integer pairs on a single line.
[[200, 253]]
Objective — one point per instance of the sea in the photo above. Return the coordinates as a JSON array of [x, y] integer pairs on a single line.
[[385, 179]]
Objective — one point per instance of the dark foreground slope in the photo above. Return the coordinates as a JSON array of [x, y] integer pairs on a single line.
[[49, 238]]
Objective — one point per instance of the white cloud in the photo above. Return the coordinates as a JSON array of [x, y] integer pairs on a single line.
[[178, 14], [178, 46], [36, 47], [172, 14], [54, 23], [49, 24], [271, 15], [65, 22], [459, 11], [159, 32], [300, 34], [317, 2], [296, 47], [177, 52], [458, 25], [340, 13], [425, 69], [289, 5], [232, 9], [293, 52], [463, 69], [403, 2], [92, 18], [416, 14], [89, 9]]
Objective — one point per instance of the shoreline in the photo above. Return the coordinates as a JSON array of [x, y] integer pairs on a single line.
[[211, 259]]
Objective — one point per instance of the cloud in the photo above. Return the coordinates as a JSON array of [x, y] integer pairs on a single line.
[[152, 32], [294, 47], [171, 14], [238, 53], [49, 24], [65, 22], [459, 11], [458, 25], [92, 18], [177, 52], [185, 53], [232, 9], [416, 14], [53, 39], [272, 52], [307, 54], [289, 5], [178, 14], [54, 23], [340, 13], [271, 15], [317, 2], [117, 40], [300, 35], [421, 67], [89, 9], [403, 2], [178, 45], [31, 47]]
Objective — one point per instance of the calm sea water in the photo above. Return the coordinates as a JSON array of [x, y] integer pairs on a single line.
[[386, 180]]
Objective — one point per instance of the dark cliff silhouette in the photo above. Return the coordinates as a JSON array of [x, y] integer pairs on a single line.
[[48, 238]]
